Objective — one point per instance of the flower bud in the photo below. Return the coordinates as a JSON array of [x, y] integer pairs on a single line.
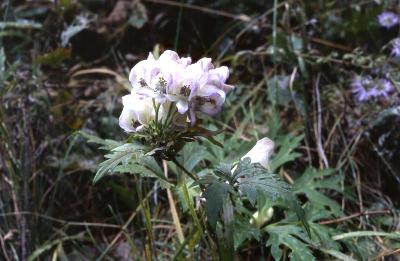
[[261, 152], [260, 218]]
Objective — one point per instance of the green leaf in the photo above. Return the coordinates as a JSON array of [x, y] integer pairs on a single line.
[[192, 154], [292, 237], [366, 234], [312, 181], [244, 231], [285, 153], [119, 154], [324, 233], [215, 195], [227, 244], [20, 24], [137, 168], [337, 254], [223, 170], [253, 179]]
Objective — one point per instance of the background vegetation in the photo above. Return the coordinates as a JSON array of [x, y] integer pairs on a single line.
[[64, 67]]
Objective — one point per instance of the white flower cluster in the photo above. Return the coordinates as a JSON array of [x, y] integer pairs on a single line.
[[171, 89]]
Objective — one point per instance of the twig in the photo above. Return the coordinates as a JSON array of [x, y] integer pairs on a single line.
[[174, 212], [3, 247], [366, 213], [385, 253], [288, 178], [318, 127]]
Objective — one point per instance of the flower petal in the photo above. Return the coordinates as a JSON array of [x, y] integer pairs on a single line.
[[127, 120], [261, 152]]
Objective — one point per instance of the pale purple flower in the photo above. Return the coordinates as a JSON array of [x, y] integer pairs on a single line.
[[366, 88], [218, 77], [382, 88], [361, 86], [143, 73], [138, 112], [174, 81], [388, 19], [209, 100], [396, 47]]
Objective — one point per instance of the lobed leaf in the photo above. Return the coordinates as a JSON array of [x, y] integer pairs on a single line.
[[215, 195], [292, 237]]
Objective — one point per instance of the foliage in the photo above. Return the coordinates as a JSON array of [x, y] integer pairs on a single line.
[[330, 190]]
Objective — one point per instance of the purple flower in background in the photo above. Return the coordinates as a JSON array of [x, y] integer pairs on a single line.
[[396, 47], [382, 88], [388, 19], [361, 87], [366, 88]]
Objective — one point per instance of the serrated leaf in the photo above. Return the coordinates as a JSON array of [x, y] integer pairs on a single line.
[[324, 233], [117, 156], [108, 166], [193, 153], [223, 170], [215, 195], [226, 244], [136, 168], [244, 231], [312, 181], [205, 180], [253, 179], [292, 237], [285, 153]]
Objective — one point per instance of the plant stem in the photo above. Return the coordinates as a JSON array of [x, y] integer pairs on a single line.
[[184, 169]]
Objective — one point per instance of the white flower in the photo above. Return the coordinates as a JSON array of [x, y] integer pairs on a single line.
[[209, 99], [144, 72], [138, 112], [190, 87], [218, 77], [207, 87], [261, 152]]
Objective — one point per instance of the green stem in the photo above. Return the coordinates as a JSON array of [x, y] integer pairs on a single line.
[[147, 220], [191, 207], [156, 108], [184, 169]]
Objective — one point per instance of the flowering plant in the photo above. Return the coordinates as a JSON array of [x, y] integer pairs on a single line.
[[162, 114]]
